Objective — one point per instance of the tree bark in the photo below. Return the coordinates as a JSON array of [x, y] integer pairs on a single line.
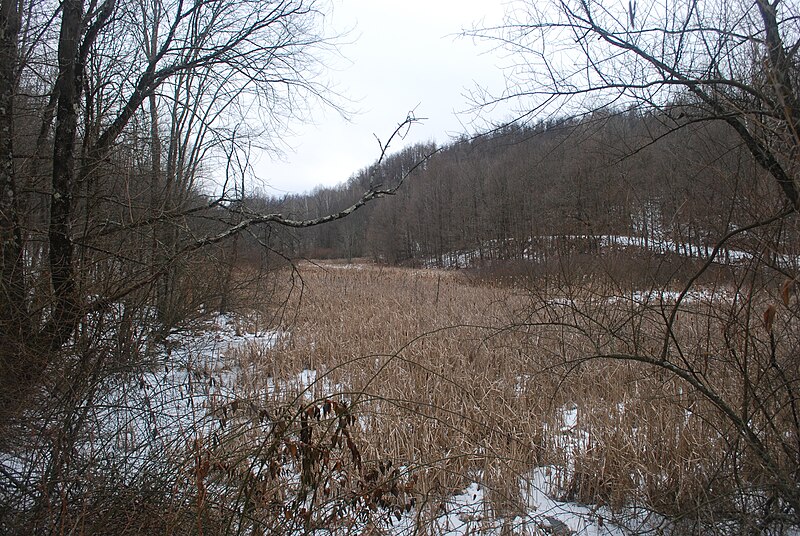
[[14, 326], [69, 83]]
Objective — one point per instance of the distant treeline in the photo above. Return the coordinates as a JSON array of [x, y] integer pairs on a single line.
[[609, 173]]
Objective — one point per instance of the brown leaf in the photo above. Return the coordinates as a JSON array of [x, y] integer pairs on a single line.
[[786, 289], [769, 317]]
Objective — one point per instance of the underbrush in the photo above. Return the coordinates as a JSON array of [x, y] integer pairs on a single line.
[[628, 268]]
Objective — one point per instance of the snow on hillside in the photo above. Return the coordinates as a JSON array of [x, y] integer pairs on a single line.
[[493, 249]]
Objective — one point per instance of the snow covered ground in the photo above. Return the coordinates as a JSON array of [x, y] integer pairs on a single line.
[[201, 359], [165, 410], [466, 258]]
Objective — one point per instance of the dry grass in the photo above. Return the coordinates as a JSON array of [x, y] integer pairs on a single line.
[[456, 382], [390, 390], [436, 390]]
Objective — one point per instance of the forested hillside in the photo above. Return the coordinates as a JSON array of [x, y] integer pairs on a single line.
[[507, 194]]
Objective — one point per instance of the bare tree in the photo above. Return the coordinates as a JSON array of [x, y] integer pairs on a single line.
[[174, 86], [732, 62], [112, 114], [684, 63]]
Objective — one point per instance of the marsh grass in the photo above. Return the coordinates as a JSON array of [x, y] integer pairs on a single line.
[[456, 381], [378, 396]]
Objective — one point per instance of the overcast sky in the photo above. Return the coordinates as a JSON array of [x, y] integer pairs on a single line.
[[403, 55]]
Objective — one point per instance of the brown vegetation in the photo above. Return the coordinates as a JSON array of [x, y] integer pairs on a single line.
[[456, 382]]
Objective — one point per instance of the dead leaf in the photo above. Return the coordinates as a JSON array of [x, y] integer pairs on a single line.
[[786, 289], [769, 316]]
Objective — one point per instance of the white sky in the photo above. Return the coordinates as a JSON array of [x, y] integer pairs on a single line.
[[405, 55]]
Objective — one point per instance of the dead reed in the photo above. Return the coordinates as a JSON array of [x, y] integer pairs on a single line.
[[455, 382]]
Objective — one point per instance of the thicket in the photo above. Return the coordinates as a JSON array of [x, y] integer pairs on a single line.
[[125, 137]]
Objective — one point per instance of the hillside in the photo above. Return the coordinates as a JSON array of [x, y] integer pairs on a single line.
[[505, 195]]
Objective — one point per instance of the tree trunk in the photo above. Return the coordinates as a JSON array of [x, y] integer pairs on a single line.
[[14, 328], [62, 274]]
